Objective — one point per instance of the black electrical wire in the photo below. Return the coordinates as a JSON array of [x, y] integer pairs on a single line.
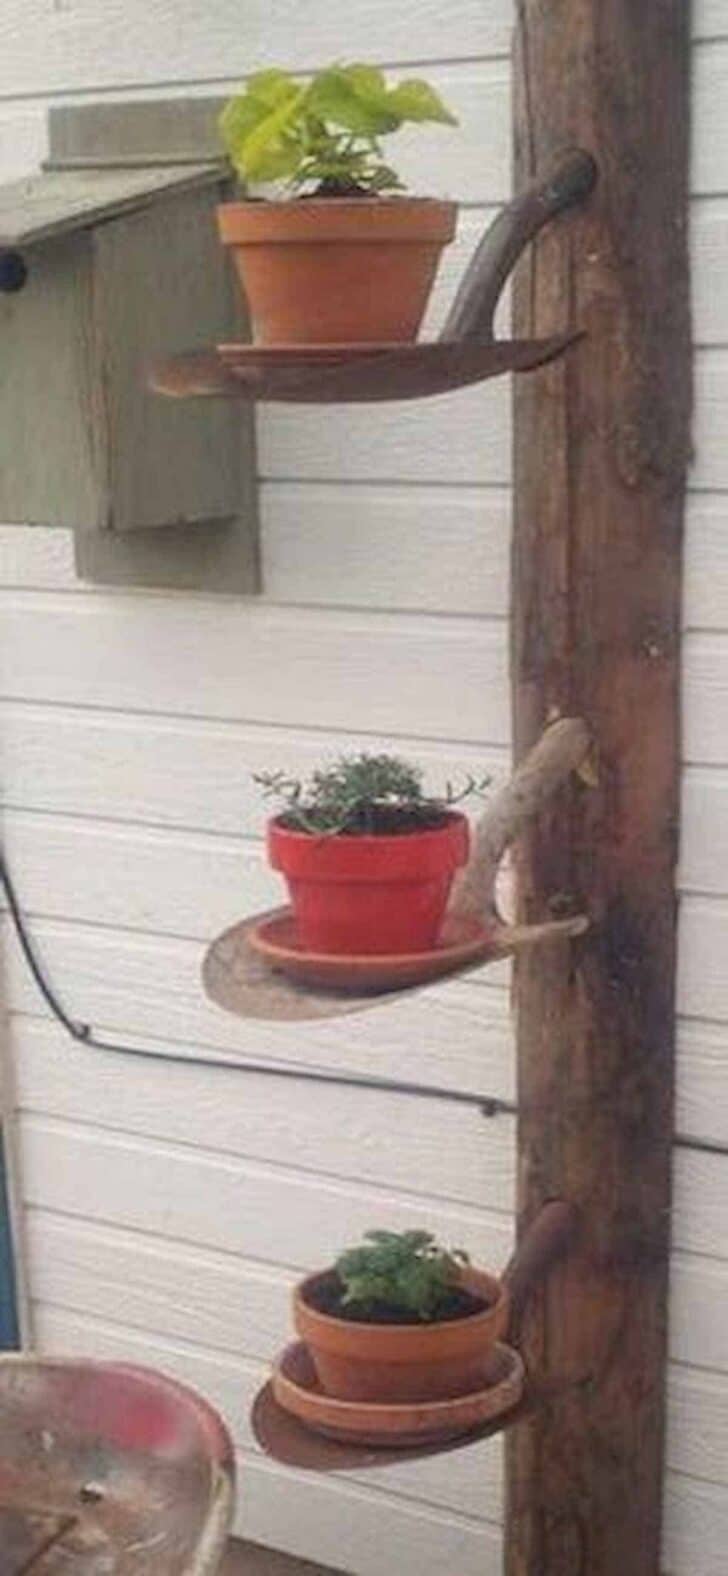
[[489, 1105], [82, 1033]]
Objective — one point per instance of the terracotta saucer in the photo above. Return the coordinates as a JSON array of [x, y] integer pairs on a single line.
[[462, 940], [297, 1391]]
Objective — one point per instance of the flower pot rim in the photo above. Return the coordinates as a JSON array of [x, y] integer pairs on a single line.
[[349, 221], [304, 202], [450, 820], [486, 1313]]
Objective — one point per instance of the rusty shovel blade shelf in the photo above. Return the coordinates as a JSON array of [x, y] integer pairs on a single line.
[[396, 373], [281, 1435], [466, 352], [237, 978]]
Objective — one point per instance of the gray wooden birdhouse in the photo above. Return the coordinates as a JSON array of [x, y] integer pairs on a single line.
[[109, 258]]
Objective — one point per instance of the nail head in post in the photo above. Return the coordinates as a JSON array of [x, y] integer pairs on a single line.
[[13, 272]]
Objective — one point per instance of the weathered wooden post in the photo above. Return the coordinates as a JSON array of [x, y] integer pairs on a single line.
[[601, 449]]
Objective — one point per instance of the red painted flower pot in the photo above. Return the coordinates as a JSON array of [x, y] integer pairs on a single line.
[[369, 895]]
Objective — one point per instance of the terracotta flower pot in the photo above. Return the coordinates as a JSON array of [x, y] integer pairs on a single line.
[[332, 270], [369, 895], [355, 1361]]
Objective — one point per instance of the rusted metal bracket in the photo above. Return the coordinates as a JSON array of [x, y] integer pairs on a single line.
[[466, 352]]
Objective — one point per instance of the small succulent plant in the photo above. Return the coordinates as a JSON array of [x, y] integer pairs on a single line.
[[362, 795], [323, 136], [406, 1271]]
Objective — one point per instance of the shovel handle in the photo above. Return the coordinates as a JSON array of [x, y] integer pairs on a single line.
[[544, 1243], [569, 182]]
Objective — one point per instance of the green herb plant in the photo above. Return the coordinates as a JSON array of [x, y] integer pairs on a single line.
[[362, 795], [406, 1271], [324, 136]]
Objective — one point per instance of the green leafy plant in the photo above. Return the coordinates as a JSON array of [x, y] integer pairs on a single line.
[[362, 795], [406, 1271], [324, 134]]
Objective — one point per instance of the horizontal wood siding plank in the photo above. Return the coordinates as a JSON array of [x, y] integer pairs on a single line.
[[442, 550], [709, 19], [314, 1516], [703, 866], [698, 1308], [705, 699], [283, 1216], [299, 667], [245, 662], [708, 238], [705, 587], [110, 765], [695, 1534], [43, 51], [709, 163], [23, 139], [409, 549], [269, 1212], [702, 981], [434, 1148], [463, 437]]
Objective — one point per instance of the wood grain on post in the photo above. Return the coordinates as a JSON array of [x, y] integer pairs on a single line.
[[601, 449]]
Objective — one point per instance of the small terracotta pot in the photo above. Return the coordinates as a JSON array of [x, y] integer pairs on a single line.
[[366, 896], [333, 270], [402, 1362]]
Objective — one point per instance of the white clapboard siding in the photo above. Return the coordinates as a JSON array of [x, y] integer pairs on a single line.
[[266, 1211], [244, 661], [702, 983], [91, 763], [299, 666], [464, 437], [695, 1534], [709, 238], [398, 548], [426, 1147], [169, 1207], [23, 139], [457, 1036], [406, 548], [709, 19], [709, 172], [285, 1216], [698, 1304], [146, 988], [90, 48], [705, 593], [470, 1484], [360, 1529]]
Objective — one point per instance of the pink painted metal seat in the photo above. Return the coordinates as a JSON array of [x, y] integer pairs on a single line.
[[109, 1470]]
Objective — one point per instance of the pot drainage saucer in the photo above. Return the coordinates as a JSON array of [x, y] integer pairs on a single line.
[[461, 941], [391, 1425]]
